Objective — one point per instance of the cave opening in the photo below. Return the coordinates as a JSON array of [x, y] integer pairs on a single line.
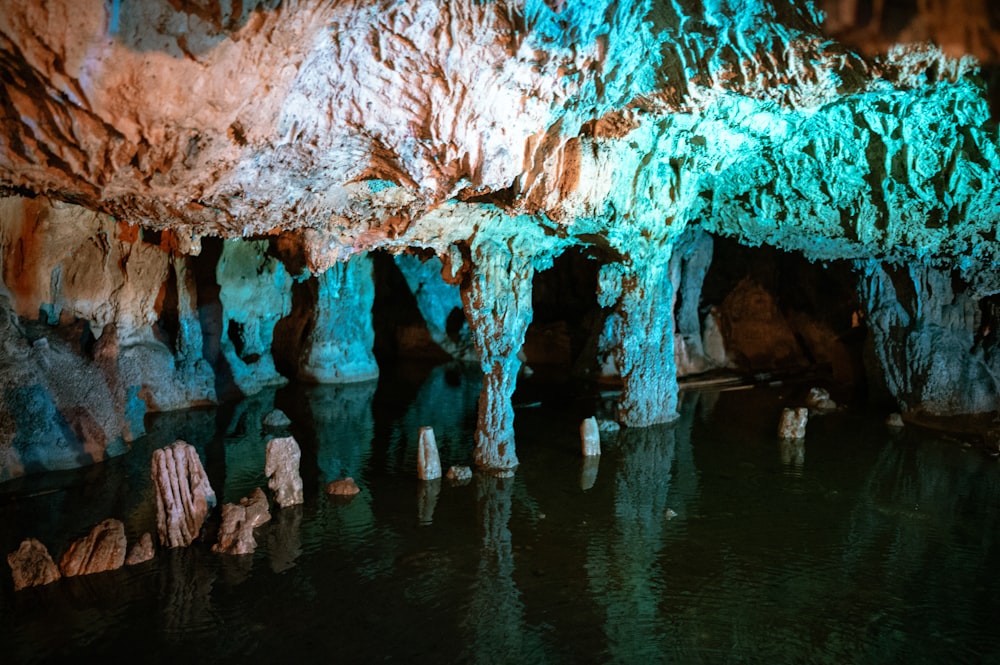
[[167, 325]]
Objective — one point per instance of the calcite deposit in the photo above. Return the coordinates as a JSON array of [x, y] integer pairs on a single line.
[[282, 470], [194, 194], [100, 550], [183, 494], [32, 565]]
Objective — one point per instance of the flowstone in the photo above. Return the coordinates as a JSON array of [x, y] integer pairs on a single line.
[[183, 494]]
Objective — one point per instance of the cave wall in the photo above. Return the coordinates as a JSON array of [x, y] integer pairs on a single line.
[[479, 141]]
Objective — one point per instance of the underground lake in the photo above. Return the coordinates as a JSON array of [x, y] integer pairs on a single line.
[[704, 540]]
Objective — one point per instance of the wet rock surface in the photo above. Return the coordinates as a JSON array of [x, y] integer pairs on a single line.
[[103, 549]]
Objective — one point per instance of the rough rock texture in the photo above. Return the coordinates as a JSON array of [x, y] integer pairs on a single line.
[[443, 128], [102, 549], [277, 419], [257, 509], [590, 437], [183, 494], [338, 348], [428, 462], [282, 470], [236, 531], [31, 565], [142, 551], [459, 475], [440, 304], [793, 423], [935, 350]]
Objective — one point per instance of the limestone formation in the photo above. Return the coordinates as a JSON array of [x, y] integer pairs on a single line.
[[236, 531], [103, 549], [427, 499], [459, 475], [31, 565], [428, 462], [590, 437], [793, 423], [818, 400], [257, 510], [183, 494], [142, 551], [282, 469], [343, 487]]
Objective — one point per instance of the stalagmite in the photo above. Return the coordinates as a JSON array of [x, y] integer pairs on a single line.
[[643, 297], [31, 565], [102, 549], [256, 507], [689, 262], [183, 494], [590, 437], [496, 297], [428, 462], [236, 531], [793, 423], [338, 347], [282, 469]]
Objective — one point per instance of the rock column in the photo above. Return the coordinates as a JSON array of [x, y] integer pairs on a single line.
[[339, 347], [643, 297], [496, 297]]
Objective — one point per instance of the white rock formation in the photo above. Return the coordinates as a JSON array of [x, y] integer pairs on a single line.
[[282, 469]]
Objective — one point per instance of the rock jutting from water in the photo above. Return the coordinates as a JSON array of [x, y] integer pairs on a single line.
[[343, 487], [276, 419], [282, 469], [428, 462], [236, 531], [141, 551], [32, 565], [459, 475], [590, 437], [257, 508], [104, 548], [793, 423], [183, 494]]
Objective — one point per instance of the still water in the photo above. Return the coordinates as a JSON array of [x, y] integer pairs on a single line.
[[705, 541]]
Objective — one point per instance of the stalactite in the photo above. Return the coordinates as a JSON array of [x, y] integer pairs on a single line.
[[338, 349], [927, 340], [496, 297]]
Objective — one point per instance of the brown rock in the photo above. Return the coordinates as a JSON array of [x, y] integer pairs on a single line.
[[141, 551], [236, 531], [100, 550], [31, 565], [183, 494], [257, 508], [343, 487]]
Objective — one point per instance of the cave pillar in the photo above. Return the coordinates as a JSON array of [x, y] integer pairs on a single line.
[[496, 297], [641, 292], [339, 347], [689, 262]]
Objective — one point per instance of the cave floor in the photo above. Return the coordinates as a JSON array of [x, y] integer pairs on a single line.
[[706, 540]]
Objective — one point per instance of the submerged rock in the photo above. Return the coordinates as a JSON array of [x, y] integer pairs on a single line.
[[282, 470], [236, 531], [31, 565], [793, 423], [428, 462], [277, 419], [343, 487], [590, 437], [183, 494], [141, 551], [101, 550], [894, 420], [818, 400], [459, 475]]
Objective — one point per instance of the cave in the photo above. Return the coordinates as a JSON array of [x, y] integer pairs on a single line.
[[503, 331]]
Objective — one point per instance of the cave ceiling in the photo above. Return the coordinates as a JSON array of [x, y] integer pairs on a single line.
[[833, 129]]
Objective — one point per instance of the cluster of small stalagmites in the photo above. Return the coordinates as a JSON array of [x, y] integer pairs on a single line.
[[101, 550]]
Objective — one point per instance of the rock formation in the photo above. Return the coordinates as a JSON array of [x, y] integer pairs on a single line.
[[31, 565], [590, 438], [257, 510], [428, 462], [142, 551], [343, 487], [101, 550], [183, 494], [236, 531], [479, 141], [282, 470]]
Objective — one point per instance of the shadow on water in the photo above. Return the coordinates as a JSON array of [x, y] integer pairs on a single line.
[[706, 540]]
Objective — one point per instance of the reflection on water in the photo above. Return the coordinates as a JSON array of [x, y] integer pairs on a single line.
[[706, 540]]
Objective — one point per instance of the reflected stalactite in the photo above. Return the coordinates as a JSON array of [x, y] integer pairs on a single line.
[[342, 418], [589, 467], [427, 498], [619, 563], [495, 630], [793, 456]]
